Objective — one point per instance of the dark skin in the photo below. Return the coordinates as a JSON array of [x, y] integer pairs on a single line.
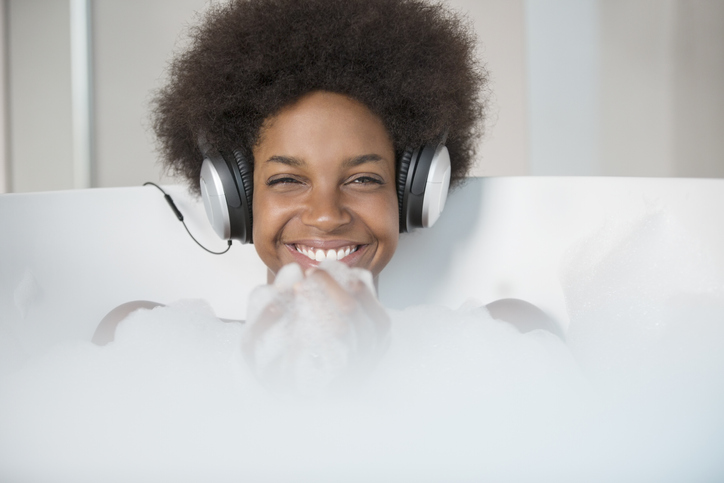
[[324, 179]]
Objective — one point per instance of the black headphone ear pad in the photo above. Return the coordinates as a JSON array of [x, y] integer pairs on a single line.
[[402, 171], [246, 173]]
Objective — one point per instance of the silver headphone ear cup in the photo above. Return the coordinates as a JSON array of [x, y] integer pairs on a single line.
[[437, 187], [213, 195], [425, 187], [225, 189]]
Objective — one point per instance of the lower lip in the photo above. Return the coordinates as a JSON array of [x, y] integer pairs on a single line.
[[306, 262]]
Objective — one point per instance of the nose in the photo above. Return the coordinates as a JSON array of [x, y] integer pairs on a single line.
[[325, 209]]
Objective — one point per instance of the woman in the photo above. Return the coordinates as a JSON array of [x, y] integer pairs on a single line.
[[319, 102]]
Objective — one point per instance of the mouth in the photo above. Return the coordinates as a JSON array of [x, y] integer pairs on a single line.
[[320, 255]]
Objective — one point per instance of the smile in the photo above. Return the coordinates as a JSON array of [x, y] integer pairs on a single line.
[[320, 255]]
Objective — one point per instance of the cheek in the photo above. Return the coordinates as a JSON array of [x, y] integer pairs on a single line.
[[265, 229], [384, 222], [389, 224], [387, 252]]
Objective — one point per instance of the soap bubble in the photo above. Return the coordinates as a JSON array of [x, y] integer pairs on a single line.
[[306, 334]]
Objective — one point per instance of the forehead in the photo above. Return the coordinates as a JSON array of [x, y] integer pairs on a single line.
[[323, 125]]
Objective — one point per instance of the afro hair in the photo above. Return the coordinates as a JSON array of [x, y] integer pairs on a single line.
[[410, 62]]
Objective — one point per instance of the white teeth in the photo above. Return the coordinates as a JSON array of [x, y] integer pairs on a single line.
[[320, 255]]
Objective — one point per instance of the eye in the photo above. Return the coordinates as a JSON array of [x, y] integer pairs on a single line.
[[282, 180], [367, 180]]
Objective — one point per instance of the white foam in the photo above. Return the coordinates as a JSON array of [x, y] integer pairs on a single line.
[[302, 336], [636, 394], [647, 327]]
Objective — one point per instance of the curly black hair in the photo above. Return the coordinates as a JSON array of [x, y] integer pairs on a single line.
[[410, 62]]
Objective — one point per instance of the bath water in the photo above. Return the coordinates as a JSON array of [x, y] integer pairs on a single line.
[[635, 393]]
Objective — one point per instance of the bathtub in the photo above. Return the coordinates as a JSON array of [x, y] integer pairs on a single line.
[[67, 258], [72, 256]]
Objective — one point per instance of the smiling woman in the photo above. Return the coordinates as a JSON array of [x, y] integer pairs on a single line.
[[319, 130], [316, 114]]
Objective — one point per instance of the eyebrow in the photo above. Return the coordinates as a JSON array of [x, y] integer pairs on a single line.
[[357, 160], [286, 160], [347, 163]]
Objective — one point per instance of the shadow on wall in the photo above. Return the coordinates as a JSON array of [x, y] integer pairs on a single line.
[[422, 263]]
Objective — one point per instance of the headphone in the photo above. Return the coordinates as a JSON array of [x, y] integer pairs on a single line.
[[423, 180]]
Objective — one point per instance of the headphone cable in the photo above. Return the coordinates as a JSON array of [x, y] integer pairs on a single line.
[[180, 217]]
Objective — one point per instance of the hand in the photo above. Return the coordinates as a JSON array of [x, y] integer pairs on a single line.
[[308, 333]]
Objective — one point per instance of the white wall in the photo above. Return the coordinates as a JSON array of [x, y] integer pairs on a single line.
[[500, 25], [699, 88], [38, 36], [133, 42], [562, 45], [638, 92], [580, 87], [626, 87], [4, 164]]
